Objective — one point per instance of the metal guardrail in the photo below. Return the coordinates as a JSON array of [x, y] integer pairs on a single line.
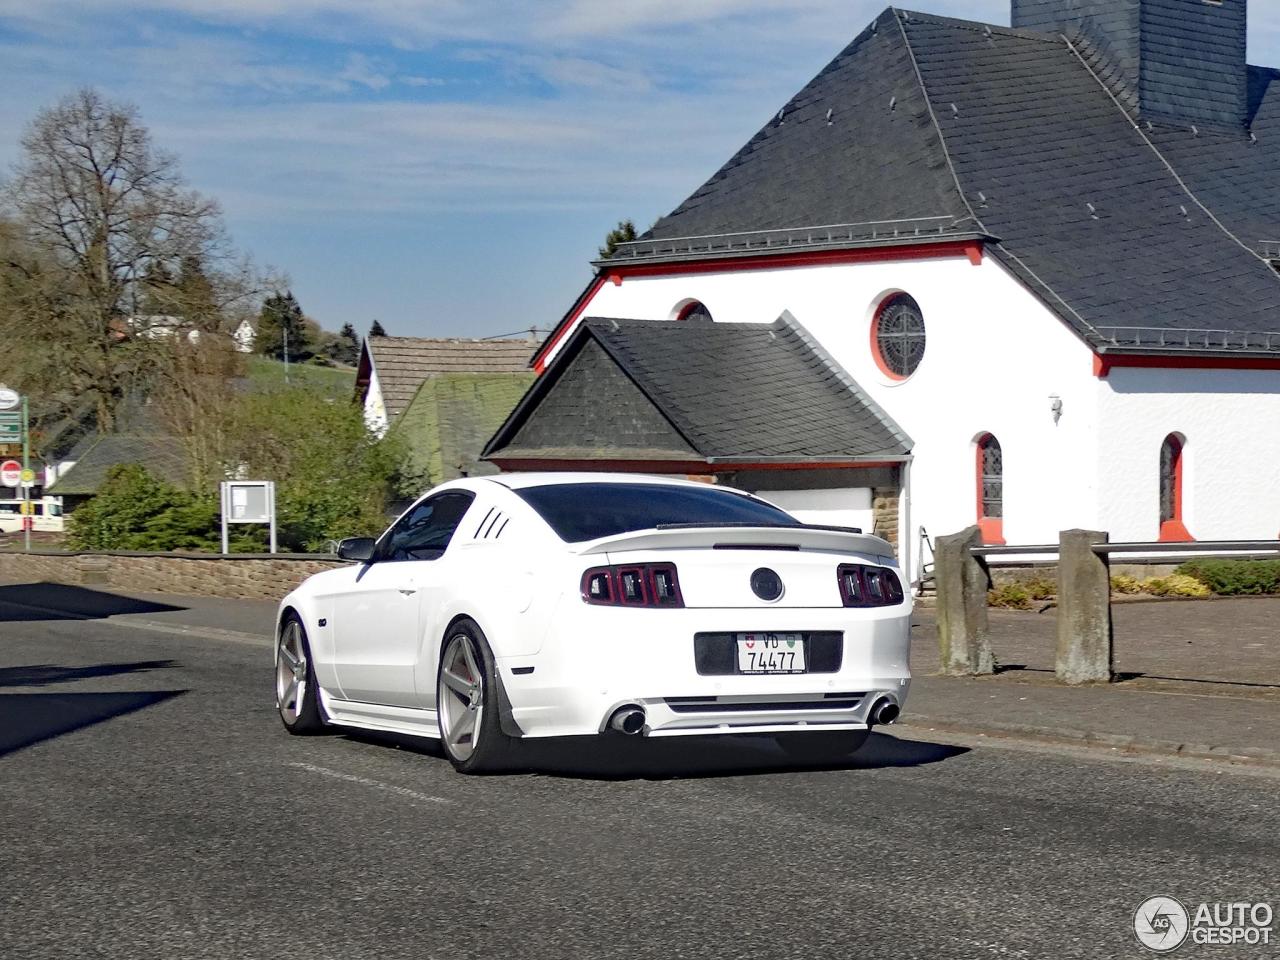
[[1192, 550]]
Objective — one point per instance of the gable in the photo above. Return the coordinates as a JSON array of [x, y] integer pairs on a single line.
[[719, 393], [593, 407]]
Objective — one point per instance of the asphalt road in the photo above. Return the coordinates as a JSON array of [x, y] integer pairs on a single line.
[[151, 805]]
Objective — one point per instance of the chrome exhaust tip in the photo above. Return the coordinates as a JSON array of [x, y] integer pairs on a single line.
[[884, 711], [627, 720]]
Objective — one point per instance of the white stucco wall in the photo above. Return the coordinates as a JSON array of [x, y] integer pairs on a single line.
[[1231, 459], [843, 507], [375, 411], [994, 356]]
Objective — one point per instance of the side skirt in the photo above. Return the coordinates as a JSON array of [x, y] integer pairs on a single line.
[[376, 716]]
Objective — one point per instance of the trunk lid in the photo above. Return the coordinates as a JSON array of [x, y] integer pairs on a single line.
[[715, 564]]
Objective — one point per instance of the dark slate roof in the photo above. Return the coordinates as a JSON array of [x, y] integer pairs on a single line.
[[162, 456], [1141, 238], [404, 363], [450, 419], [724, 392]]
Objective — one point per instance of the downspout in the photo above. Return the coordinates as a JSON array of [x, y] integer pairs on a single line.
[[905, 558]]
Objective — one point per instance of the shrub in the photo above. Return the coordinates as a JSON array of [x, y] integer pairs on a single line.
[[1121, 583], [134, 510], [1176, 585], [1011, 596], [1229, 578], [1040, 588]]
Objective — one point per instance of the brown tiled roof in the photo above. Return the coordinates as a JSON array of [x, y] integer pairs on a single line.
[[403, 364]]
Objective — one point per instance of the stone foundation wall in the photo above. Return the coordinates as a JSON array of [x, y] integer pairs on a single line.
[[884, 508], [236, 576]]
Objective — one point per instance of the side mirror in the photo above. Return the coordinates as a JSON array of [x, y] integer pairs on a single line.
[[359, 549]]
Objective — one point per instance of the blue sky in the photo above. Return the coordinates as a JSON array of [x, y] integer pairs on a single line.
[[445, 166]]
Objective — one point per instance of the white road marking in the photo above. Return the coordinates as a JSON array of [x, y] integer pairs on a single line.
[[365, 781]]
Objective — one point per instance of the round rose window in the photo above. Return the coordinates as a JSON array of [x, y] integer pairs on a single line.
[[897, 336]]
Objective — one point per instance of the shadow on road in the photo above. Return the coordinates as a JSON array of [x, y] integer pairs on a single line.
[[59, 601], [43, 674], [27, 718], [618, 758], [28, 602]]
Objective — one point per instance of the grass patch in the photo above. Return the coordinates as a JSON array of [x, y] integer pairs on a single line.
[[267, 374]]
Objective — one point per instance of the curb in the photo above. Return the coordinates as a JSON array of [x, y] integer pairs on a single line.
[[1089, 738]]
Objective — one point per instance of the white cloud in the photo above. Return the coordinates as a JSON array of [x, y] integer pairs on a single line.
[[362, 70]]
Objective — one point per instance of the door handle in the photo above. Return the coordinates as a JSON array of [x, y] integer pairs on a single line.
[[407, 592]]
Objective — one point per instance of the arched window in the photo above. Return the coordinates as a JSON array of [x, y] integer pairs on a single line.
[[693, 310], [1171, 526], [897, 336], [990, 469]]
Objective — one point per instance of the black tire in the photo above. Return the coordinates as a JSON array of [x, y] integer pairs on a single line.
[[490, 750], [299, 710], [820, 746]]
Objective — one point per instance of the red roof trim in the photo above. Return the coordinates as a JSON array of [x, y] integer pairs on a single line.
[[1104, 363], [972, 249], [566, 324]]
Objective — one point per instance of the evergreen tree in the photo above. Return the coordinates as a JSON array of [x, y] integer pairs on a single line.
[[281, 315], [376, 330], [345, 347], [624, 232]]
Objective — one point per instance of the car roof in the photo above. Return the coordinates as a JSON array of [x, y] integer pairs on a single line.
[[520, 481]]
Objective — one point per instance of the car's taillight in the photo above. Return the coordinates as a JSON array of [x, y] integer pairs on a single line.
[[864, 586], [633, 585]]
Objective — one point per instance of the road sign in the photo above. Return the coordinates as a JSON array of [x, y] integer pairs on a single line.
[[10, 473], [9, 399], [10, 427], [28, 477]]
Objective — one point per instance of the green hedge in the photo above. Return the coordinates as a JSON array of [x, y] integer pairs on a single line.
[[1228, 578]]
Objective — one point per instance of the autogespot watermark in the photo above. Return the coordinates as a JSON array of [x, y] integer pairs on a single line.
[[1162, 924]]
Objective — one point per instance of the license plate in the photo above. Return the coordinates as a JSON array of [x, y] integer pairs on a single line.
[[770, 653]]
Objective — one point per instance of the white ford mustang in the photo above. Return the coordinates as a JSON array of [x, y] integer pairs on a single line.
[[548, 605]]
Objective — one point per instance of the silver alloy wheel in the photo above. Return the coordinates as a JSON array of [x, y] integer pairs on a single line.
[[460, 697], [291, 672]]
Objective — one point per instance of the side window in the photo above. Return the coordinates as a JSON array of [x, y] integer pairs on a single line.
[[425, 531], [990, 468]]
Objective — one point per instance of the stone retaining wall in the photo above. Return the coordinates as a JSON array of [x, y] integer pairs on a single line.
[[234, 576]]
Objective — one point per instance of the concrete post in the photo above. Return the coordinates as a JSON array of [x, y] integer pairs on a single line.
[[962, 580], [1085, 653]]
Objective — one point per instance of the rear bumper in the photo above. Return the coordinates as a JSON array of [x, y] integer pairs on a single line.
[[599, 659]]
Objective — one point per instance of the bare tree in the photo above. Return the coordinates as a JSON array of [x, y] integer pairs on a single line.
[[111, 254]]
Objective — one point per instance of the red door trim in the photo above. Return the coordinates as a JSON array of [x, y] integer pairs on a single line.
[[991, 528]]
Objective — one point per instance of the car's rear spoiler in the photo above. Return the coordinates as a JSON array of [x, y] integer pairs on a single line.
[[684, 536]]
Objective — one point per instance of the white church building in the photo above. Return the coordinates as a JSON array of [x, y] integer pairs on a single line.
[[1023, 277]]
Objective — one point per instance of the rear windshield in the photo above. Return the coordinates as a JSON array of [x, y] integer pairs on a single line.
[[586, 511]]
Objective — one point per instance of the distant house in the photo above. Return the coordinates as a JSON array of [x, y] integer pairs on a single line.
[[82, 455], [160, 326], [391, 370], [162, 456], [244, 335]]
